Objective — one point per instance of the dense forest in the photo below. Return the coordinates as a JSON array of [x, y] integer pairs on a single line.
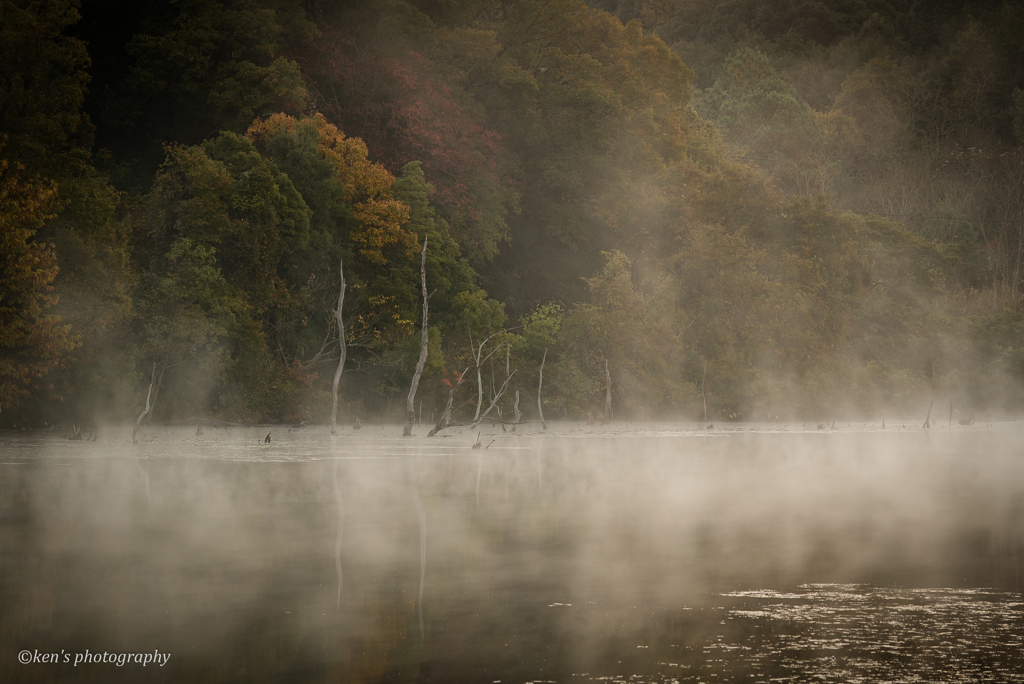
[[731, 210]]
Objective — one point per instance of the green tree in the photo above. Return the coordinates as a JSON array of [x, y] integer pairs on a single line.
[[42, 86], [198, 67], [185, 313]]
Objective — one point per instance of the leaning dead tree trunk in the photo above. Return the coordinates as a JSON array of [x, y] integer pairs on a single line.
[[341, 346], [446, 415], [160, 379], [928, 418], [608, 393], [540, 385], [152, 379], [494, 401], [410, 404]]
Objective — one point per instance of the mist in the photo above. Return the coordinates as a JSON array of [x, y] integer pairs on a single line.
[[703, 319], [584, 552]]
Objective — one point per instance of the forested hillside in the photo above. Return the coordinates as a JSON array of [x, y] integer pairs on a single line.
[[733, 210]]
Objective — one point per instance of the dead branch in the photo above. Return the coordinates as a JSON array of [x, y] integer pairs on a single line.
[[320, 354]]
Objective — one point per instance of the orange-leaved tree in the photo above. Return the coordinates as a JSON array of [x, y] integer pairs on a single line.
[[33, 340]]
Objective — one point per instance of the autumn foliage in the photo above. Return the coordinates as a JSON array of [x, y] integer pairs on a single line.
[[757, 209], [32, 338]]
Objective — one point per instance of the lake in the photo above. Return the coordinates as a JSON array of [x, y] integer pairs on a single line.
[[584, 553]]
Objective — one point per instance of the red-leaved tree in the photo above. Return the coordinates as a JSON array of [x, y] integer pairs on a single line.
[[404, 112]]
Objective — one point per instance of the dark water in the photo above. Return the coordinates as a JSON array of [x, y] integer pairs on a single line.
[[653, 554]]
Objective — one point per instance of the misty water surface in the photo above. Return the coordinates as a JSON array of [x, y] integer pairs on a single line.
[[632, 553]]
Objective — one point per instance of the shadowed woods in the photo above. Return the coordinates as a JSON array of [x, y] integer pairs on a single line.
[[680, 210]]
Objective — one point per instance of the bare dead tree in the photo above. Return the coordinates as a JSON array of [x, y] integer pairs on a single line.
[[478, 360], [152, 379], [160, 379], [540, 385], [702, 397], [410, 403], [928, 418], [342, 348], [608, 393]]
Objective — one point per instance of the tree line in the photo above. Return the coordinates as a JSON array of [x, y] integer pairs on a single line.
[[690, 207]]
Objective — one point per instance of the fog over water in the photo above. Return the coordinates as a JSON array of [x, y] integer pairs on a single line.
[[630, 552]]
